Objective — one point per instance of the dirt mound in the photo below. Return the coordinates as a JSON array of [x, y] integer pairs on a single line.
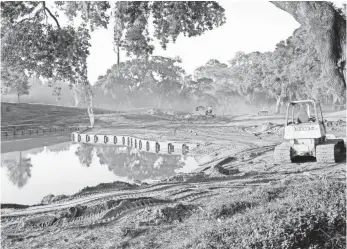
[[13, 205], [170, 112], [38, 221], [176, 213], [186, 177], [167, 215], [52, 198], [335, 125], [154, 111], [107, 186], [265, 128]]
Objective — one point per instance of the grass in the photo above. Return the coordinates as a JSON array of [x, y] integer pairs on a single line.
[[38, 115], [309, 214], [304, 215]]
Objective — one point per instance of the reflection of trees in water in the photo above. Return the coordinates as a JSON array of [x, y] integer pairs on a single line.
[[19, 170], [138, 165], [85, 154]]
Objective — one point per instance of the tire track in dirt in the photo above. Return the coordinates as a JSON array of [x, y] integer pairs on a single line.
[[150, 191]]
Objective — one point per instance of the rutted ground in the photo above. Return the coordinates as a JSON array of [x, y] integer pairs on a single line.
[[237, 176]]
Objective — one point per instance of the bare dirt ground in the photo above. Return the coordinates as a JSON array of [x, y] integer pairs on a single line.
[[238, 198]]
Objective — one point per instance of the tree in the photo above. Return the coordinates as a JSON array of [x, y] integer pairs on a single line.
[[29, 40], [327, 32], [213, 69], [30, 44], [119, 28], [19, 171], [85, 154], [15, 80], [200, 90], [137, 164], [158, 78]]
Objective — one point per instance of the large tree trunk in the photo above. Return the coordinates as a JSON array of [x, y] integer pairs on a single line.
[[129, 101], [89, 101], [18, 97], [75, 95], [118, 61], [327, 29], [278, 104]]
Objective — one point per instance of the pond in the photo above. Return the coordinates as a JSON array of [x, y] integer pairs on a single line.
[[66, 168]]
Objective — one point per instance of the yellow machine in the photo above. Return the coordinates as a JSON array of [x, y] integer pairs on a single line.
[[306, 136]]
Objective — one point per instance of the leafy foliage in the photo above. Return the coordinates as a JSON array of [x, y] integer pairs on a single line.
[[31, 44], [158, 78], [292, 71], [189, 18], [17, 80], [170, 19]]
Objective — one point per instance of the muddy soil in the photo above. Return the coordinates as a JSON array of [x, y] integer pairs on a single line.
[[234, 154]]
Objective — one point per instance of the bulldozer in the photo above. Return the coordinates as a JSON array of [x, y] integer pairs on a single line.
[[306, 136]]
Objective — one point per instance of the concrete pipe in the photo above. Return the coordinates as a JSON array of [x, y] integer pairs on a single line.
[[105, 139], [170, 148], [157, 147]]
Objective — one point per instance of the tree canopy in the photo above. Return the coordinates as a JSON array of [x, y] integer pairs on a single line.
[[58, 52]]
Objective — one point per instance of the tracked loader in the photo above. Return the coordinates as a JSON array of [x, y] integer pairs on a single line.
[[305, 135]]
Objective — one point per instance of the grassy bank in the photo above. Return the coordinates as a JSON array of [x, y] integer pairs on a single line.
[[297, 214], [39, 115]]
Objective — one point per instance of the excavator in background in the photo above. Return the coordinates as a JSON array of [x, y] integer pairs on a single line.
[[305, 133], [207, 110]]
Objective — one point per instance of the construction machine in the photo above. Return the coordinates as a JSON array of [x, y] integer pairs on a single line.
[[305, 135]]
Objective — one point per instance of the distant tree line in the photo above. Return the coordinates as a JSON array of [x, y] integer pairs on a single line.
[[292, 71]]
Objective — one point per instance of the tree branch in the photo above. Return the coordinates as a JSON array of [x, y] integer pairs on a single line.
[[23, 20], [50, 13]]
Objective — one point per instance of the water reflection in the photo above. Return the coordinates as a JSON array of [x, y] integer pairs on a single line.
[[140, 165], [66, 168], [18, 169], [85, 154]]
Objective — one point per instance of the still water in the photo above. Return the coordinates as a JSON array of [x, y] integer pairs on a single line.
[[65, 168]]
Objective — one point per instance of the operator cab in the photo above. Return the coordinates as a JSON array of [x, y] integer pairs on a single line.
[[304, 120], [302, 112]]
